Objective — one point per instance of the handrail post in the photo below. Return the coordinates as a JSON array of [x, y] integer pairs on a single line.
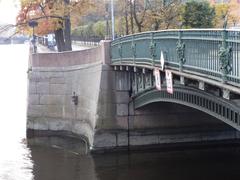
[[180, 48], [133, 47], [225, 56], [120, 50], [152, 49]]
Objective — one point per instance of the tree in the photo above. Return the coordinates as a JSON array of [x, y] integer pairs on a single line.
[[163, 14], [221, 12], [197, 15], [123, 10], [53, 16], [138, 11], [229, 11]]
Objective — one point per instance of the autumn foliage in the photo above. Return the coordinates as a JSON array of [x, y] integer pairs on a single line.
[[52, 16]]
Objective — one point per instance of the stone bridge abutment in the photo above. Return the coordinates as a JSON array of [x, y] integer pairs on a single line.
[[79, 94], [64, 92]]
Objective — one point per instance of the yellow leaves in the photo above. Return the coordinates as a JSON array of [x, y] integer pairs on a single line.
[[231, 10], [46, 26], [49, 14]]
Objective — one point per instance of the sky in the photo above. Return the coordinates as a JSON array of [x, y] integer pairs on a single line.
[[8, 11]]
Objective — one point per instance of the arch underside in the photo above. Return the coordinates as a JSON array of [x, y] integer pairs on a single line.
[[217, 107]]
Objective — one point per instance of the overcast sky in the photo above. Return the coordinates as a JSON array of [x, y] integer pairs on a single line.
[[8, 11]]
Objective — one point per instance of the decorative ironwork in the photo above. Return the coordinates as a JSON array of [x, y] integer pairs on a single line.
[[134, 83], [220, 108], [180, 47], [120, 50], [140, 82], [225, 57], [196, 51], [152, 48], [148, 80], [133, 48]]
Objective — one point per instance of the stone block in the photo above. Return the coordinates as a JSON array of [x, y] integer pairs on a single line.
[[59, 125], [122, 109], [43, 87], [54, 111], [83, 129], [122, 122], [105, 48], [69, 112], [122, 139], [40, 124], [143, 140], [106, 80], [85, 102], [30, 123], [104, 140], [36, 110], [33, 99], [59, 74], [32, 88], [122, 97], [122, 81], [57, 89], [106, 97], [57, 80], [52, 99], [83, 114], [220, 135]]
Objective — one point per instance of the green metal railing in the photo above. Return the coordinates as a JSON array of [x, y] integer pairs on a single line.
[[214, 53]]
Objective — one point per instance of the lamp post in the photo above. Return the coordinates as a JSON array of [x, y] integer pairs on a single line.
[[33, 24], [107, 36], [113, 23]]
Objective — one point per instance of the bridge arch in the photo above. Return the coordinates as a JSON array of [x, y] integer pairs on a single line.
[[224, 110]]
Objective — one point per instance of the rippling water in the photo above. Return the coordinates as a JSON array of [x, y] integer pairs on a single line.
[[15, 160], [51, 159]]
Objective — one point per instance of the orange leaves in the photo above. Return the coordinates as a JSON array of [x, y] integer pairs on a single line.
[[49, 14], [231, 9], [40, 11], [45, 26]]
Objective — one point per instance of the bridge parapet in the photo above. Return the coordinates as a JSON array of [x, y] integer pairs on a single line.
[[70, 58], [211, 53], [66, 91], [204, 62]]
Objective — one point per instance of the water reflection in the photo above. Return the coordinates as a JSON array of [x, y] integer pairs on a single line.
[[53, 163], [15, 162], [213, 163], [220, 164], [15, 159]]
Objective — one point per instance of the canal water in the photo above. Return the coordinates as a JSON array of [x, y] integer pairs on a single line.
[[20, 160]]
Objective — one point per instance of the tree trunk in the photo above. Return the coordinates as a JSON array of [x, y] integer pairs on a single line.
[[67, 34], [156, 25], [131, 17], [67, 30], [60, 40], [138, 23], [126, 17]]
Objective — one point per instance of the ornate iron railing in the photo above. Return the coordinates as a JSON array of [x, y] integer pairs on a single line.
[[214, 53], [222, 109]]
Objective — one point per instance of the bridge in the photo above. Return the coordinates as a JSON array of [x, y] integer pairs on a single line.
[[149, 88]]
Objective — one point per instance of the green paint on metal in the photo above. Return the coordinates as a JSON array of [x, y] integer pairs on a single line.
[[133, 48], [152, 48], [180, 47], [225, 56], [120, 51], [198, 51], [194, 98]]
